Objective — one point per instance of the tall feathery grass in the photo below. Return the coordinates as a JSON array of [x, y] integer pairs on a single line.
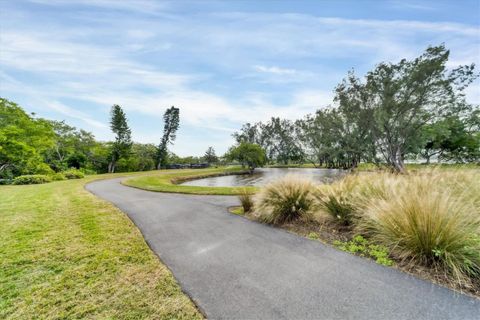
[[286, 200], [429, 218], [336, 199], [246, 200]]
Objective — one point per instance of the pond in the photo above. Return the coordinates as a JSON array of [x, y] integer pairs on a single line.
[[262, 176]]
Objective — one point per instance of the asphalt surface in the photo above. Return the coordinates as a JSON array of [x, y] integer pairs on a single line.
[[234, 268]]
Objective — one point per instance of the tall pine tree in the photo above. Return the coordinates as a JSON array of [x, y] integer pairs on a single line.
[[171, 119], [123, 143]]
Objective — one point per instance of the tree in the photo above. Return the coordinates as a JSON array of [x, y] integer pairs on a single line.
[[406, 96], [248, 154], [23, 140], [210, 156], [171, 120], [121, 146], [64, 147], [277, 137]]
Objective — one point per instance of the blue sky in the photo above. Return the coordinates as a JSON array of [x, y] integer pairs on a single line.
[[223, 63]]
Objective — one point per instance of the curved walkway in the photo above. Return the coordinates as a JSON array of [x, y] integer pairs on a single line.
[[234, 268]]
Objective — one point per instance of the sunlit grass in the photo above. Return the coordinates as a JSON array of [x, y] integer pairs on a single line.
[[167, 181], [66, 254]]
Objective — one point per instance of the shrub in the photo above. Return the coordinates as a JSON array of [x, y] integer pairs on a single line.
[[246, 200], [73, 174], [432, 219], [58, 177], [285, 200], [43, 169], [88, 171], [32, 179]]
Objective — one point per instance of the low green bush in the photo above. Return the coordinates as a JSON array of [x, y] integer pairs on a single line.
[[285, 200], [359, 245], [58, 176], [32, 179], [73, 174], [43, 169]]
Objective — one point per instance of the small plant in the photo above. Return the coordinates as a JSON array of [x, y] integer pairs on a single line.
[[73, 174], [237, 210], [285, 200], [32, 179], [313, 236], [246, 200], [359, 245]]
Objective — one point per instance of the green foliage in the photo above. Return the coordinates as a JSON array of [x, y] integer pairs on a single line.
[[210, 156], [73, 174], [285, 200], [122, 145], [23, 140], [361, 246], [171, 119], [58, 176], [313, 236], [32, 179], [277, 138], [248, 154], [246, 199]]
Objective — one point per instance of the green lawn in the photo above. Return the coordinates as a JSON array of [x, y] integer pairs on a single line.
[[66, 254], [164, 181]]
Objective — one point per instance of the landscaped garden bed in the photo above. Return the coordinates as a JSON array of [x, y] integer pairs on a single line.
[[425, 223]]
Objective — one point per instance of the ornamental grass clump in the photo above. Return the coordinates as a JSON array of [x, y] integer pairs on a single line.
[[246, 200], [337, 199], [431, 219], [286, 200]]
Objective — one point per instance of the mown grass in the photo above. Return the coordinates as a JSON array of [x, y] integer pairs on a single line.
[[66, 254], [166, 181]]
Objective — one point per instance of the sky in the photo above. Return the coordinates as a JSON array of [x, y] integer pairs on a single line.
[[223, 63]]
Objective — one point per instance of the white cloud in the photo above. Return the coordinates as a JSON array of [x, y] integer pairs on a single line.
[[275, 70], [221, 69]]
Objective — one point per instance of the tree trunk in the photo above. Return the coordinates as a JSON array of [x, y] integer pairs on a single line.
[[111, 167]]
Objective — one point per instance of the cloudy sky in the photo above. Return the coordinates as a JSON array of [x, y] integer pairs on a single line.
[[222, 62]]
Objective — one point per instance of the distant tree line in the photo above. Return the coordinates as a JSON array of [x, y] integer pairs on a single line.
[[409, 110], [31, 145]]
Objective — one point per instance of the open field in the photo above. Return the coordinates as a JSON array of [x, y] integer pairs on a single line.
[[164, 181], [66, 254]]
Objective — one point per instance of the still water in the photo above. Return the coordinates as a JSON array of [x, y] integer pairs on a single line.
[[262, 176]]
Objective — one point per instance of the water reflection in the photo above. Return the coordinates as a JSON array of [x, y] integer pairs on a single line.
[[262, 176]]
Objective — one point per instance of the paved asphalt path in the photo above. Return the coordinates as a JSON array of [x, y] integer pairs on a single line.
[[234, 268]]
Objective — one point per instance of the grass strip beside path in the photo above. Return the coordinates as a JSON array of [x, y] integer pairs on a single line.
[[66, 254], [166, 181]]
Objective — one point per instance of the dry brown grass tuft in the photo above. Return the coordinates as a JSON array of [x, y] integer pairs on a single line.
[[285, 200]]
